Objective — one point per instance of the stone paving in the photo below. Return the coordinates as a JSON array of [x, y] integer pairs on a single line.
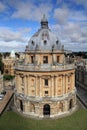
[[5, 100]]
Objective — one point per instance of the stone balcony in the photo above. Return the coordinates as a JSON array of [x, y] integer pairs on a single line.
[[44, 67]]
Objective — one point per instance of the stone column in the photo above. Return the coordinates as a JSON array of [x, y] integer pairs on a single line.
[[17, 81], [26, 58], [37, 110], [66, 83], [25, 84], [63, 84], [73, 80], [40, 91], [36, 87], [28, 85], [26, 107], [55, 86], [19, 84], [52, 85]]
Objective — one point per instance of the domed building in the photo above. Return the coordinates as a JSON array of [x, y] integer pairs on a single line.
[[45, 83]]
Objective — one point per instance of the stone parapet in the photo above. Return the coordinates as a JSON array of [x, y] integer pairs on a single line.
[[45, 67]]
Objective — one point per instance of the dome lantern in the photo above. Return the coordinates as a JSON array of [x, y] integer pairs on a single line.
[[44, 22]]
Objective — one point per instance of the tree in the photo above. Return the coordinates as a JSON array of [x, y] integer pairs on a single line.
[[1, 64], [8, 77]]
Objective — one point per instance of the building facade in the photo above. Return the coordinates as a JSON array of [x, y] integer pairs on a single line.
[[81, 74], [45, 83], [9, 64], [1, 82]]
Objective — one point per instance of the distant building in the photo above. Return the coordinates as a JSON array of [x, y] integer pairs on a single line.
[[9, 63], [45, 82], [1, 82], [81, 74]]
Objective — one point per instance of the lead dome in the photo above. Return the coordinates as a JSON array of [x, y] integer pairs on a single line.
[[44, 39]]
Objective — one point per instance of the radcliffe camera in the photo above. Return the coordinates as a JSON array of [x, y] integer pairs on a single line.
[[43, 65]]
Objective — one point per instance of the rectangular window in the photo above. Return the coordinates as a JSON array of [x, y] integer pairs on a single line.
[[46, 92], [45, 59], [46, 82], [32, 59], [57, 59]]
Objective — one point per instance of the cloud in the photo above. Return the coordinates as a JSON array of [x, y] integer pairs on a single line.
[[2, 7], [13, 45], [77, 16], [72, 35], [61, 15], [31, 11], [70, 21], [13, 40], [8, 35]]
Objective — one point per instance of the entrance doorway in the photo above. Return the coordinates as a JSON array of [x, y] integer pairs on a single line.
[[21, 105], [46, 109]]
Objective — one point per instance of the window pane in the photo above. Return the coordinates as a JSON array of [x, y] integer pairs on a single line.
[[32, 59], [45, 59], [46, 81], [46, 92], [57, 59]]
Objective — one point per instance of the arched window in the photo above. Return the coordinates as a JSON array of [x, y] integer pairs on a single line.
[[71, 104], [21, 105]]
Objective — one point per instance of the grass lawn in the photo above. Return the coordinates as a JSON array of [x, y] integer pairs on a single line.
[[12, 121]]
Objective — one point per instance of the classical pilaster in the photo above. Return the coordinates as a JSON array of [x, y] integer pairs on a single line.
[[63, 84], [26, 58], [40, 91], [73, 78], [17, 78], [66, 83], [36, 87], [55, 86], [52, 85], [19, 84], [25, 85], [28, 85]]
